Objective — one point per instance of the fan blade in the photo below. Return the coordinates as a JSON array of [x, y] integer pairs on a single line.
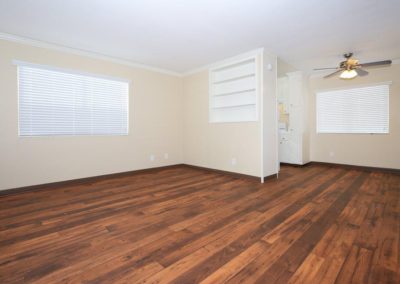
[[316, 69], [333, 74], [361, 72], [377, 63]]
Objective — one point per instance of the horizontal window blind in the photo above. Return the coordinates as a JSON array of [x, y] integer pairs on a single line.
[[53, 102], [356, 110]]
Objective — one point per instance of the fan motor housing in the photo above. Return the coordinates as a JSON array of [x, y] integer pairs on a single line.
[[343, 64]]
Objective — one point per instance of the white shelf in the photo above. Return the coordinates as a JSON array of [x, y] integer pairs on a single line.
[[233, 106], [234, 78], [233, 91]]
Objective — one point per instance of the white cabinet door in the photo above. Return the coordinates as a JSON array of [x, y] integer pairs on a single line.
[[284, 149], [291, 142]]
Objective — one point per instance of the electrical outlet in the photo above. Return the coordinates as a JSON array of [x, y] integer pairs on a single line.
[[166, 156], [233, 161], [152, 157], [331, 154]]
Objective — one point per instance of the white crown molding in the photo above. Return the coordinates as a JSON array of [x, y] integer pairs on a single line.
[[42, 44], [223, 61]]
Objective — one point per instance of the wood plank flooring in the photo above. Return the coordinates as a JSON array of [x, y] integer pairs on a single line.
[[317, 224]]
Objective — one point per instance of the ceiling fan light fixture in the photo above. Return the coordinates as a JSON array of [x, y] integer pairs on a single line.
[[351, 68], [348, 74]]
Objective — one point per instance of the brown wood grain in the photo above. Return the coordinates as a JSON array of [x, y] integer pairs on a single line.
[[315, 224]]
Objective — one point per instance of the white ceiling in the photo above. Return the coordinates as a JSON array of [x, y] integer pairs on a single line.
[[181, 35]]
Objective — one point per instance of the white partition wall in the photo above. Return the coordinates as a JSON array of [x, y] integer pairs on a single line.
[[242, 91], [221, 115], [269, 128]]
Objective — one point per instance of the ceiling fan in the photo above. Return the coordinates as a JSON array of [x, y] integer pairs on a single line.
[[351, 68]]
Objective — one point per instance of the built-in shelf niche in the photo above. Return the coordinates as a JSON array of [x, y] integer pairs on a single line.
[[233, 91]]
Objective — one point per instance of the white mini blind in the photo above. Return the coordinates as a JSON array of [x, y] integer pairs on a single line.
[[53, 103], [356, 110]]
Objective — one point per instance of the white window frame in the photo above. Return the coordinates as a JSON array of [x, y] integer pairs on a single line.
[[19, 63], [317, 93]]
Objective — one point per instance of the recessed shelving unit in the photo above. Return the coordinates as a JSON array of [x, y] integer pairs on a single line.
[[233, 91]]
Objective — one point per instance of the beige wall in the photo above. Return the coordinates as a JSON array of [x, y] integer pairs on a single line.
[[283, 68], [213, 145], [359, 149], [155, 125], [169, 114]]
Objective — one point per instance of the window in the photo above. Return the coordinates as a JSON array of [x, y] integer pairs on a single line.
[[233, 92], [54, 102], [357, 110]]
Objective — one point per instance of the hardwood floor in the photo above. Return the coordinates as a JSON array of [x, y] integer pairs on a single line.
[[317, 224]]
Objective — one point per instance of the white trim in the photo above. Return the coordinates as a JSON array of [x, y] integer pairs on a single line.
[[95, 55], [317, 131], [69, 71], [261, 101], [251, 53], [278, 163], [22, 134]]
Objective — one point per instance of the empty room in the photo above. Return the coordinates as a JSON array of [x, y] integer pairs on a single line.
[[224, 141]]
